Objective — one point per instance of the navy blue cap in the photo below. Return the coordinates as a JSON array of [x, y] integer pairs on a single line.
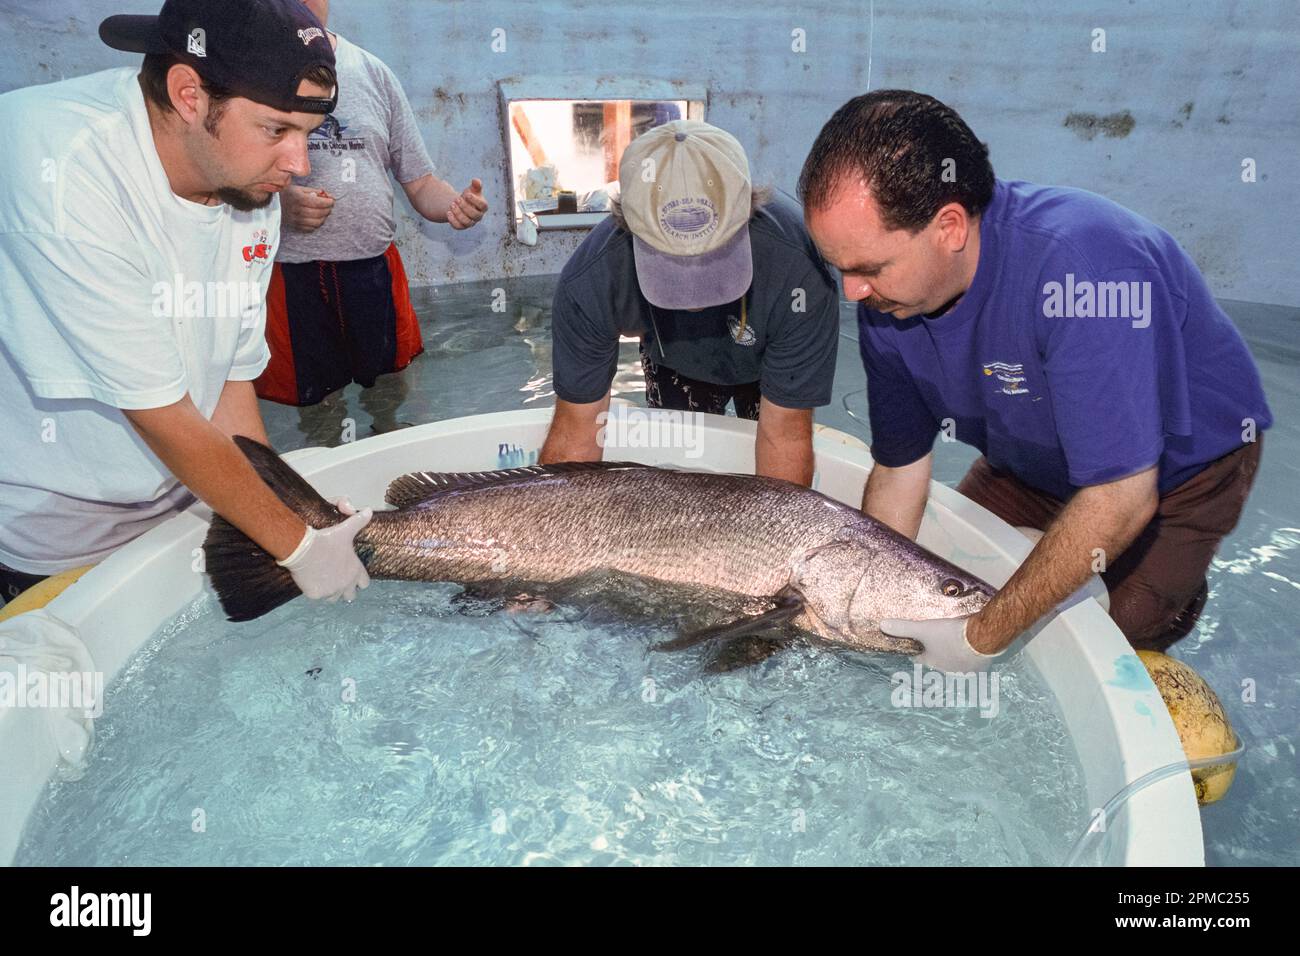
[[259, 49]]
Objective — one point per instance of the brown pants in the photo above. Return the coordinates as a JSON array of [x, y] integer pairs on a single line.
[[1157, 586]]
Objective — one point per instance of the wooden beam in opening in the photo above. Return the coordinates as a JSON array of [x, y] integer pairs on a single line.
[[525, 131], [616, 134]]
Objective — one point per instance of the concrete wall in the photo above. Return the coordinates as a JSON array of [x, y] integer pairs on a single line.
[[1161, 121]]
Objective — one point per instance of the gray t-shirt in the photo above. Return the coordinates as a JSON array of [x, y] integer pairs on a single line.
[[371, 131], [787, 344]]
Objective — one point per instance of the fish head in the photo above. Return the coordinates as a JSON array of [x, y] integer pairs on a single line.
[[907, 582], [871, 573]]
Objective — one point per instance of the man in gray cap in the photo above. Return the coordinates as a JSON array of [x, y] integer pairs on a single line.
[[138, 224], [719, 281]]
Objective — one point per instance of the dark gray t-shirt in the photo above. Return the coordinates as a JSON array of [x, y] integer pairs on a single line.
[[791, 318]]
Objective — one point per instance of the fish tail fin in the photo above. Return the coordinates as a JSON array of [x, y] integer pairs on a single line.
[[247, 579], [289, 486]]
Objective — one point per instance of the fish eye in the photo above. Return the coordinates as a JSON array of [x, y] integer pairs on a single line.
[[951, 587]]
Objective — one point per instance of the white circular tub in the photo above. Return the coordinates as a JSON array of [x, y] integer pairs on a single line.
[[1119, 725]]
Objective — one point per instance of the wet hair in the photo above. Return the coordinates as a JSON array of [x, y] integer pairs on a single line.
[[153, 83], [896, 141], [759, 197]]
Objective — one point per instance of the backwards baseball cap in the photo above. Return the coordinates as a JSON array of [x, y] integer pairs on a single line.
[[686, 198], [258, 49]]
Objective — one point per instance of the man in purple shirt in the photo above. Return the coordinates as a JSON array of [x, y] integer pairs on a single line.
[[1071, 341]]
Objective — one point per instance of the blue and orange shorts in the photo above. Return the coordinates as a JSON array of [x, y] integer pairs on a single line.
[[332, 323]]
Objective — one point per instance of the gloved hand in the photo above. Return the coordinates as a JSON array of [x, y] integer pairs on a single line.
[[324, 565], [344, 504], [944, 639]]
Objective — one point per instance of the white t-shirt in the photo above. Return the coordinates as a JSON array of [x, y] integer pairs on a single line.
[[115, 293]]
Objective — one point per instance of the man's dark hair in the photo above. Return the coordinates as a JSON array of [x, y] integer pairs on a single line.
[[153, 83], [896, 141]]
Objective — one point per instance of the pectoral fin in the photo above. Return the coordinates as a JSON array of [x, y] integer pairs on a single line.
[[745, 652], [788, 604]]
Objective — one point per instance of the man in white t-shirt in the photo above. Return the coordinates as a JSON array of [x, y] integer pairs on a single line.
[[138, 224]]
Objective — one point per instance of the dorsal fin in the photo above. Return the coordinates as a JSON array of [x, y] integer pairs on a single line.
[[420, 485]]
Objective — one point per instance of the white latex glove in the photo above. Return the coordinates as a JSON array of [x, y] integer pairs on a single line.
[[324, 565], [946, 647], [344, 504]]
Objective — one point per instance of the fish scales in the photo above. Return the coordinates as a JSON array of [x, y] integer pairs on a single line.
[[728, 532], [822, 566]]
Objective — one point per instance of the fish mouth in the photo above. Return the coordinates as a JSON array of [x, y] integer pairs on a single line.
[[979, 594], [870, 637]]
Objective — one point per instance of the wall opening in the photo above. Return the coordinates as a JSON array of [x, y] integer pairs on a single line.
[[564, 153]]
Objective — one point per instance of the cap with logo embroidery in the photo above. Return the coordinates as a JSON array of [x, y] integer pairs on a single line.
[[685, 193], [258, 49]]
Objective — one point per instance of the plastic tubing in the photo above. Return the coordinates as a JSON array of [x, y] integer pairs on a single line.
[[1112, 806]]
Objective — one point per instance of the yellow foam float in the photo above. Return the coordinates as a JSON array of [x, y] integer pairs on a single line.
[[1200, 720], [42, 592]]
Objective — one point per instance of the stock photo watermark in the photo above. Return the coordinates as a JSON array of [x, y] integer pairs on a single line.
[[1085, 299], [75, 908], [37, 689], [934, 689], [207, 300], [630, 426]]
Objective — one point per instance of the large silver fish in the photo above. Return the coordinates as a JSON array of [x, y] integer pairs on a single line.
[[803, 558]]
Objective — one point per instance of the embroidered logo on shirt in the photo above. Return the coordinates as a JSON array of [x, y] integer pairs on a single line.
[[740, 336], [257, 250], [1010, 374]]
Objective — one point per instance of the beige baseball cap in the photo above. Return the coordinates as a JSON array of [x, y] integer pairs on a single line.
[[686, 197]]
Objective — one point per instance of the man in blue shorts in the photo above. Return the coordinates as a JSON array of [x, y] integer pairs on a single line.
[[339, 305], [1071, 341]]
